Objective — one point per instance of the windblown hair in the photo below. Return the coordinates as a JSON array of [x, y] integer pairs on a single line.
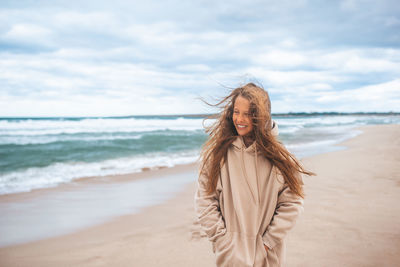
[[222, 133]]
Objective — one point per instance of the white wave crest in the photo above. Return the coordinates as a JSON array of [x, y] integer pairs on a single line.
[[39, 177]]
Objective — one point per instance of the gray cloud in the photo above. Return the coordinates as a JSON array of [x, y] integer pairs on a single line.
[[311, 55]]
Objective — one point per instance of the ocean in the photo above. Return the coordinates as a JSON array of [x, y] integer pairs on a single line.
[[44, 152]]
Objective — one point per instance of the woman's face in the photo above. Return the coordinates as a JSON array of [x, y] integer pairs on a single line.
[[241, 116]]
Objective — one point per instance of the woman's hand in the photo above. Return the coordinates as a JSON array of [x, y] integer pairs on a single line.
[[266, 248]]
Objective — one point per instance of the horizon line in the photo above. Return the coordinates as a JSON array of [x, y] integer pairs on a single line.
[[313, 113]]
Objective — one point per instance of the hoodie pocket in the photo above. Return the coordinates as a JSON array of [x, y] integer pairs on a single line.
[[265, 253], [261, 245], [271, 257]]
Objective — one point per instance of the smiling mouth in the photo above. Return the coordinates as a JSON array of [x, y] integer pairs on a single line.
[[241, 126]]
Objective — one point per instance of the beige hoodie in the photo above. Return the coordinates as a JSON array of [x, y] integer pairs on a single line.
[[252, 206]]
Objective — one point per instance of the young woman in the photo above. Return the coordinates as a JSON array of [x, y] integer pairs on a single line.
[[250, 187]]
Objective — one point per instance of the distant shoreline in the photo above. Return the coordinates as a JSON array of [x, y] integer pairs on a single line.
[[289, 114]]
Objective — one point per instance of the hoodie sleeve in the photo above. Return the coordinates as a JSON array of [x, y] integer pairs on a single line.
[[289, 207], [208, 210]]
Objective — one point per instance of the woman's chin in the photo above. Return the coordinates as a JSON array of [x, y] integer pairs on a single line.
[[243, 133]]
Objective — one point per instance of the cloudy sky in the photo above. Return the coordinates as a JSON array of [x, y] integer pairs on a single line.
[[110, 58]]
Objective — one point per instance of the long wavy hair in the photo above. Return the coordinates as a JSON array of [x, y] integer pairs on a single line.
[[222, 133]]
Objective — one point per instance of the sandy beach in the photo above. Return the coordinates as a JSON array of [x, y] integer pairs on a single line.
[[351, 217]]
